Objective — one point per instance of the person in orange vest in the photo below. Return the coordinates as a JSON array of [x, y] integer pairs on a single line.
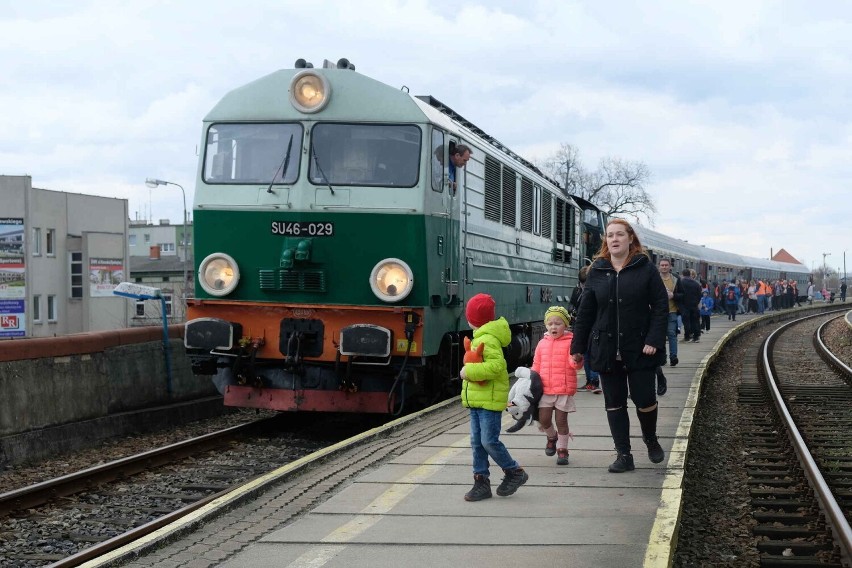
[[762, 291]]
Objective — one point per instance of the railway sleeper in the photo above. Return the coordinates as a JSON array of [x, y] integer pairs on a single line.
[[783, 504], [765, 517], [773, 492], [768, 561], [777, 533], [796, 546]]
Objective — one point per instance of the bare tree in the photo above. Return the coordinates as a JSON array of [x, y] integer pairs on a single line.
[[617, 186], [565, 167]]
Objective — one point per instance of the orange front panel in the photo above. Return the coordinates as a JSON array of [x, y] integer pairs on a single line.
[[264, 320], [307, 400]]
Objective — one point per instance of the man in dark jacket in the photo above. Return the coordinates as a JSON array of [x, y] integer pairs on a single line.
[[689, 307]]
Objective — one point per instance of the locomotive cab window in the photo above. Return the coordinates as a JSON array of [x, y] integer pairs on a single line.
[[439, 158], [365, 154], [253, 153]]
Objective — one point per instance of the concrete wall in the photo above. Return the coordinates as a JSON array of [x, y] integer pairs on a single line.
[[90, 376]]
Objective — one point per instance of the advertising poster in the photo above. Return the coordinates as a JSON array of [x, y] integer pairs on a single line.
[[104, 275], [13, 288], [12, 320]]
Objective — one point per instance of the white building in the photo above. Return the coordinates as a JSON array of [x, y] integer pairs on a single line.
[[61, 255], [161, 258]]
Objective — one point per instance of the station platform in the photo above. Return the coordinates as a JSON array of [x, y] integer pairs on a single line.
[[410, 511]]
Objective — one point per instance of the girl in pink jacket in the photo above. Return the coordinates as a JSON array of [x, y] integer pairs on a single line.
[[558, 373]]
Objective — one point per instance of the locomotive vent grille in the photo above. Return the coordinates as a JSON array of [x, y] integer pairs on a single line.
[[292, 280]]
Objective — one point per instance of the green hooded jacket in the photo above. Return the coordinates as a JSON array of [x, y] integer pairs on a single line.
[[486, 384]]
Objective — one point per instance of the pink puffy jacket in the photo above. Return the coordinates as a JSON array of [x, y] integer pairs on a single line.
[[554, 363]]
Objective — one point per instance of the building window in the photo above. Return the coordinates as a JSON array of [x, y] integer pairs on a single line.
[[140, 308], [138, 279], [76, 274], [36, 309], [51, 308], [131, 240], [167, 247], [50, 245], [147, 238], [168, 298], [36, 241]]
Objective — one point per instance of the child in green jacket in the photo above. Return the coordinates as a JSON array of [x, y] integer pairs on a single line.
[[485, 391]]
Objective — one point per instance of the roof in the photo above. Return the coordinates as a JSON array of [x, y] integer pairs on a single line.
[[172, 263], [784, 256]]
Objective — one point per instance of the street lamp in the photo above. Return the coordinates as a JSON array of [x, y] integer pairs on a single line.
[[151, 182], [825, 254]]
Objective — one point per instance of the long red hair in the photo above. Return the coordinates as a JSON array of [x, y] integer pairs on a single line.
[[635, 246]]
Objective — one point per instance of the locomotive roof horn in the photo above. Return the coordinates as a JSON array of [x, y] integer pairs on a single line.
[[344, 63], [302, 64]]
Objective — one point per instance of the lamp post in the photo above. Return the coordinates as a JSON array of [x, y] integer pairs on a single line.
[[151, 182], [825, 254]]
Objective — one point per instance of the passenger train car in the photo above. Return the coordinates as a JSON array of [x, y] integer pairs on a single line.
[[715, 265], [334, 257]]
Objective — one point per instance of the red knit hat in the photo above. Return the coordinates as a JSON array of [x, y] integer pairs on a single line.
[[480, 310]]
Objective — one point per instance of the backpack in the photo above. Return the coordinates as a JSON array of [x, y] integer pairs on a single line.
[[732, 296]]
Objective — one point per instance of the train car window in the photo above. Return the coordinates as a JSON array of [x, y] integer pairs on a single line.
[[537, 209], [591, 218], [365, 154], [253, 153], [439, 158]]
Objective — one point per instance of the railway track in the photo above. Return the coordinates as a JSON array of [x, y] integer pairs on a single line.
[[812, 401], [772, 419], [68, 520]]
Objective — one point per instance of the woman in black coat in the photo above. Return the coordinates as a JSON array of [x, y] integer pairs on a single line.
[[622, 317]]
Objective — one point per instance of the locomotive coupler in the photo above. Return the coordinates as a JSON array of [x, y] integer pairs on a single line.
[[247, 374]]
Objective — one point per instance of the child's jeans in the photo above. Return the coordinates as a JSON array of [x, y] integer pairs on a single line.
[[485, 441]]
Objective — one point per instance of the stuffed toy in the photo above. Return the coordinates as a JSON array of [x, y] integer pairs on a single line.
[[471, 356], [524, 398]]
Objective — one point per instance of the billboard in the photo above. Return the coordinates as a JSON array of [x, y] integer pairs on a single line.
[[104, 275], [13, 289]]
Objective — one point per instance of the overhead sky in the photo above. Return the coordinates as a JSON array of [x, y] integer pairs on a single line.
[[741, 110]]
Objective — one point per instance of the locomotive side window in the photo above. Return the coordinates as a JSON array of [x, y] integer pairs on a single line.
[[365, 154], [253, 153], [438, 159]]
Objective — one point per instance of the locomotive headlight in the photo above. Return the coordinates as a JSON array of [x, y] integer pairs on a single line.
[[218, 274], [309, 91], [391, 280]]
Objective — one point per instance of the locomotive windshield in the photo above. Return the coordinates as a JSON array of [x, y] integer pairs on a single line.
[[253, 153], [365, 154]]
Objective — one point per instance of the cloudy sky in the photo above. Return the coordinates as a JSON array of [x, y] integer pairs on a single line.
[[741, 110]]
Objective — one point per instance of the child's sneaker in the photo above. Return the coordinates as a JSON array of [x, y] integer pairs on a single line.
[[481, 489], [562, 456], [514, 479], [550, 448]]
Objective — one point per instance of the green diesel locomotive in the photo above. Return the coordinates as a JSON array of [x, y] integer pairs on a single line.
[[334, 251]]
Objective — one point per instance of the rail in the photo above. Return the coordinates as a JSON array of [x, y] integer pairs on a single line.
[[840, 525]]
